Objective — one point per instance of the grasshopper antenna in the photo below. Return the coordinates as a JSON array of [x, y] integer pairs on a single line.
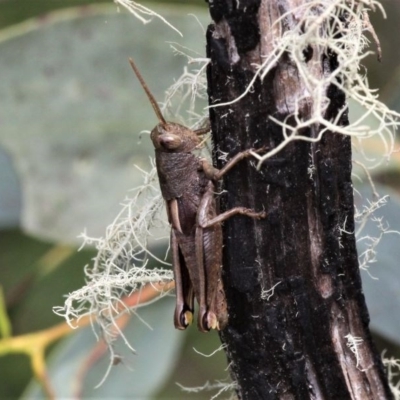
[[149, 95]]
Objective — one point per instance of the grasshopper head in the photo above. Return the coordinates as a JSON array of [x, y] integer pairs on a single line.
[[168, 136], [174, 138]]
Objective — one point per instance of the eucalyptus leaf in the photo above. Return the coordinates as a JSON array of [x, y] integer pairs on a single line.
[[10, 193], [71, 110], [372, 151], [381, 281], [138, 376]]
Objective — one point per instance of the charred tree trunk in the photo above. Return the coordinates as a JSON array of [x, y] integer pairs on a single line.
[[292, 344]]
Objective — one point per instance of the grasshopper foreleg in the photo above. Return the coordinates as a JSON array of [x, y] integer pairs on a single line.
[[202, 131], [216, 174]]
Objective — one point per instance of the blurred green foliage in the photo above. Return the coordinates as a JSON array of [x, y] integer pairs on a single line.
[[14, 11]]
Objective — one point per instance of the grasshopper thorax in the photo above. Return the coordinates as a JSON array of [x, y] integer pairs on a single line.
[[174, 138]]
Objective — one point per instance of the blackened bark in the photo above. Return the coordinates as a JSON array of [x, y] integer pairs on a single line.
[[292, 345]]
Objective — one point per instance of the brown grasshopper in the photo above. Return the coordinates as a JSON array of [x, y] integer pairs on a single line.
[[187, 185]]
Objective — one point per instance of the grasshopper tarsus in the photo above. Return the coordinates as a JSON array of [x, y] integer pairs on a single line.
[[212, 321], [183, 318], [188, 185]]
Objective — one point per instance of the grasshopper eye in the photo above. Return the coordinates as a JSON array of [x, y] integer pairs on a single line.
[[170, 141]]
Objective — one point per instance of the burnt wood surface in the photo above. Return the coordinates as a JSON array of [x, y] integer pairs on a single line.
[[292, 345]]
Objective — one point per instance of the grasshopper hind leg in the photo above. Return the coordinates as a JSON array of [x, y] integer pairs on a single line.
[[183, 315]]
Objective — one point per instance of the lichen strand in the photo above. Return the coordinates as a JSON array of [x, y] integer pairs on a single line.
[[119, 267], [312, 37]]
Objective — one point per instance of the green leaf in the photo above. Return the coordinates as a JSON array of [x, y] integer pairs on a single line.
[[10, 193], [71, 110], [138, 376], [372, 151], [381, 281], [5, 324]]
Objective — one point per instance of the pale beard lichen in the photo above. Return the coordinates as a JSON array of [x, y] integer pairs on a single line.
[[119, 267], [337, 27]]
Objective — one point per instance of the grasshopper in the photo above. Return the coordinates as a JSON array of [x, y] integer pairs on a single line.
[[187, 185]]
